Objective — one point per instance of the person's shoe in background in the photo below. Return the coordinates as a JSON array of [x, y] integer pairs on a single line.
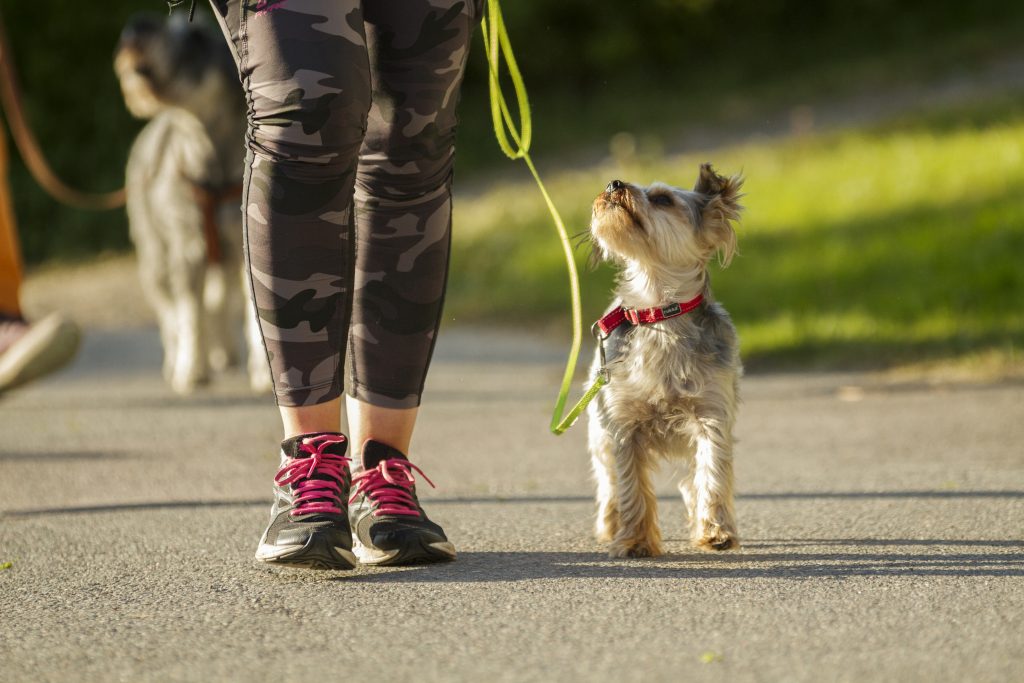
[[29, 351]]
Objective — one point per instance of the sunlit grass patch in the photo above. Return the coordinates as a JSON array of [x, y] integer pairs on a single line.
[[868, 248]]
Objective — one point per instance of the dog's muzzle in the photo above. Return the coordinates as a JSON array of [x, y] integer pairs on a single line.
[[617, 195], [617, 192]]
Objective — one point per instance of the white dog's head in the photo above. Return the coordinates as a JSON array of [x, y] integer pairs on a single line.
[[173, 63], [664, 228]]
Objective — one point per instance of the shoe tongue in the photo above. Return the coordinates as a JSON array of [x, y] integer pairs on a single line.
[[375, 451], [291, 447]]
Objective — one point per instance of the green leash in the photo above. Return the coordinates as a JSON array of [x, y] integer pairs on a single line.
[[497, 45]]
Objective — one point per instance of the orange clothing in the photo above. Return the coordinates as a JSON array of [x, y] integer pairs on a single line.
[[10, 252]]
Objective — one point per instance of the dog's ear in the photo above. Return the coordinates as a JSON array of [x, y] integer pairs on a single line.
[[713, 186], [721, 207]]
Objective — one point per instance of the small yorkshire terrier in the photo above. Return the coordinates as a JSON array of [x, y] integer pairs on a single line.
[[672, 362]]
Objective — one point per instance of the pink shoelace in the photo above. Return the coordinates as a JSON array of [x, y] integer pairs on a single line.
[[390, 484], [315, 495]]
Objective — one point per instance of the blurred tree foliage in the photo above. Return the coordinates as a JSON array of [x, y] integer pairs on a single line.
[[576, 50]]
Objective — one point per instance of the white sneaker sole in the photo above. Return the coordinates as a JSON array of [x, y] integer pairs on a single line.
[[313, 555], [442, 551]]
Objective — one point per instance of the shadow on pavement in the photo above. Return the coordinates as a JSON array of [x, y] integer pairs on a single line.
[[135, 507], [485, 567], [59, 456]]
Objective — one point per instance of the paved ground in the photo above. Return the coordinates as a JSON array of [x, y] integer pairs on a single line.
[[883, 536]]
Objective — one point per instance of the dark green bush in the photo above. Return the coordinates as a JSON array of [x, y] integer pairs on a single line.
[[574, 54]]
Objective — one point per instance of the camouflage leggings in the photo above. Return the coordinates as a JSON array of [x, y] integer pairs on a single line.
[[351, 104]]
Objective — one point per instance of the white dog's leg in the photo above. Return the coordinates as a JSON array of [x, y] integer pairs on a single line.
[[190, 364], [638, 534], [713, 520], [187, 275], [167, 319], [156, 289], [686, 489], [220, 320], [602, 460]]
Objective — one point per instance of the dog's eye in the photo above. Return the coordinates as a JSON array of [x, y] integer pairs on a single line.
[[661, 200]]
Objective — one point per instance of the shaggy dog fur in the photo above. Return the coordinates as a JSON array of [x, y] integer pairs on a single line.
[[673, 385], [183, 174]]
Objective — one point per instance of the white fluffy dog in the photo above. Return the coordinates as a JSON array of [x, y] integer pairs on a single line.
[[183, 183], [673, 362]]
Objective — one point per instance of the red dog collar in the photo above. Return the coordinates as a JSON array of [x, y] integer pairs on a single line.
[[645, 316]]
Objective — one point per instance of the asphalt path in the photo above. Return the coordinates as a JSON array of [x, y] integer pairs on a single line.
[[882, 526]]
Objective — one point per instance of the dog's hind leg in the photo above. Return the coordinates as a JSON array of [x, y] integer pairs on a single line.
[[712, 518], [638, 534]]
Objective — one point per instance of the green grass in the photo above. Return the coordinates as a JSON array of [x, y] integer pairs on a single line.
[[889, 245]]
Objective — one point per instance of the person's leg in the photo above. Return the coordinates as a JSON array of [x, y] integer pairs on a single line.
[[10, 252], [321, 417], [418, 50], [403, 214], [393, 426], [305, 71], [27, 351]]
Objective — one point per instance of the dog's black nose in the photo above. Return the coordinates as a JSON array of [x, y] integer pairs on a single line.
[[615, 185]]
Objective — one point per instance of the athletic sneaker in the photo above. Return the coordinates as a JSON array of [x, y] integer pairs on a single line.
[[388, 525], [309, 520], [29, 351]]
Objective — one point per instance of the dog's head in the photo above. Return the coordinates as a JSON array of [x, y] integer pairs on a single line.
[[665, 227], [171, 63]]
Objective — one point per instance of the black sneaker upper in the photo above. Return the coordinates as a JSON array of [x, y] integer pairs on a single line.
[[311, 491], [385, 512]]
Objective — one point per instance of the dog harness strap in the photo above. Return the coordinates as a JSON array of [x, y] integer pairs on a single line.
[[209, 200], [206, 199], [644, 316]]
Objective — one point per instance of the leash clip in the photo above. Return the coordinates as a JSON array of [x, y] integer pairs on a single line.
[[602, 372]]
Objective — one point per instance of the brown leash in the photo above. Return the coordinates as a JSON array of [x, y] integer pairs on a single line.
[[28, 146]]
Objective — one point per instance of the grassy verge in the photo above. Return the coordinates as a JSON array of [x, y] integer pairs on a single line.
[[893, 244]]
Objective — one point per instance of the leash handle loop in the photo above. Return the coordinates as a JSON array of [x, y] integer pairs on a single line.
[[27, 144], [498, 46]]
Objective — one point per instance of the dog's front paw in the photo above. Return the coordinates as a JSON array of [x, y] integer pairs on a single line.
[[168, 369], [717, 538], [221, 358], [634, 548], [186, 383]]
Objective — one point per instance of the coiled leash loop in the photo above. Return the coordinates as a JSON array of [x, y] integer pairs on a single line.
[[27, 144], [498, 46]]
